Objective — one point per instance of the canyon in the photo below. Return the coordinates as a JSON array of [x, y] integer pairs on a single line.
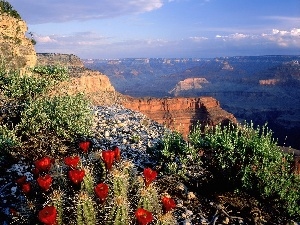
[[261, 89], [179, 114]]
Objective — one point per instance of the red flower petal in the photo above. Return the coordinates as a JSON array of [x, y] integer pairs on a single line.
[[168, 203], [117, 153], [72, 161], [76, 176], [48, 215], [84, 146], [149, 176], [43, 164], [26, 188], [45, 182], [101, 191], [108, 158], [143, 216]]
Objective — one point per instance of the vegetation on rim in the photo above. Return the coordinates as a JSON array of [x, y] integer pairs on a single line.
[[6, 7]]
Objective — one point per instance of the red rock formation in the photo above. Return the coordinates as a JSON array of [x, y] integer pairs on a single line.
[[181, 113]]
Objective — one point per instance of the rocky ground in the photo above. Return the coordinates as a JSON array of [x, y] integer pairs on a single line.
[[198, 202]]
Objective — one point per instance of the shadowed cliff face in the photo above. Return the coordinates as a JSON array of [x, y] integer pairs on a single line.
[[181, 114]]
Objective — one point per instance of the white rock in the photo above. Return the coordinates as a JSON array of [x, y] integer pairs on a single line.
[[106, 133]]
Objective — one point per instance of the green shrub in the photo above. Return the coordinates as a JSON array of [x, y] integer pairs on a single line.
[[174, 154], [54, 120], [26, 87], [8, 138], [42, 122], [55, 72], [250, 159], [23, 88]]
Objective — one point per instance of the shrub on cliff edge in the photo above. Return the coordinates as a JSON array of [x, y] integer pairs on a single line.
[[250, 160], [43, 122]]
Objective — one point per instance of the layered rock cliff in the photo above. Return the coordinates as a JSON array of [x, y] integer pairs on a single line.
[[181, 114], [94, 84], [16, 50], [176, 113]]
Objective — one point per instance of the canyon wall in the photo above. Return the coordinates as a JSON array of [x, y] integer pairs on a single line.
[[176, 113], [181, 114], [94, 84], [16, 50]]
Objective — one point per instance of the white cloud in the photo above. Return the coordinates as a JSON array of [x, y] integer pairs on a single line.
[[43, 39], [36, 12], [284, 38], [95, 45], [198, 39]]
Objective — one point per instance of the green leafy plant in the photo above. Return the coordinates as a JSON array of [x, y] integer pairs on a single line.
[[43, 122], [250, 160], [174, 154], [55, 72], [8, 138]]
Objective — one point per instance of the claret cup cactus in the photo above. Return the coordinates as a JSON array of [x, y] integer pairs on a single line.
[[84, 189]]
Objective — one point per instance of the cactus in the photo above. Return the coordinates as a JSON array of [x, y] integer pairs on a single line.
[[80, 203], [149, 199], [86, 213], [120, 178], [57, 199], [119, 212], [88, 182]]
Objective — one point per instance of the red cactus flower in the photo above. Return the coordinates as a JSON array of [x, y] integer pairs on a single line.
[[108, 158], [168, 203], [45, 182], [143, 216], [26, 188], [84, 146], [76, 176], [48, 215], [101, 191], [117, 153], [43, 164], [72, 161], [149, 176], [21, 180]]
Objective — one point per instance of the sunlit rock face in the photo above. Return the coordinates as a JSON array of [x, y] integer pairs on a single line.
[[94, 84], [181, 114], [16, 50], [189, 84]]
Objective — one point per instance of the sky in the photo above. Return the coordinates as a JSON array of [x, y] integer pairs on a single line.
[[111, 29]]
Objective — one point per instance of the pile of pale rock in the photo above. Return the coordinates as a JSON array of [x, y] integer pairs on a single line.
[[131, 131]]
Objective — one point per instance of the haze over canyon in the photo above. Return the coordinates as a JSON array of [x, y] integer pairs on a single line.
[[262, 89]]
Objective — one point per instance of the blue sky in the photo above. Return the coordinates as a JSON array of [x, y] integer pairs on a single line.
[[163, 28]]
